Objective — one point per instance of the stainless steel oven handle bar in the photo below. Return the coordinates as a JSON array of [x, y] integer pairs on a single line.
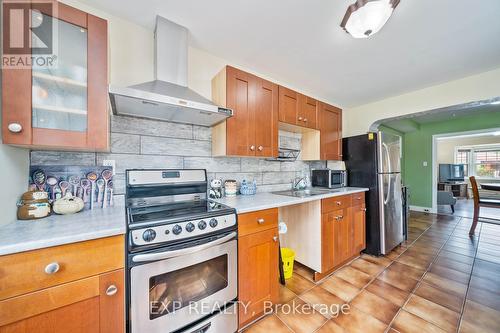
[[181, 252]]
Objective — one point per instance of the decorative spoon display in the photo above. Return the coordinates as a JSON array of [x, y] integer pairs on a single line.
[[39, 179], [63, 185], [92, 177], [52, 182], [100, 186], [85, 183], [74, 181], [106, 175], [110, 187]]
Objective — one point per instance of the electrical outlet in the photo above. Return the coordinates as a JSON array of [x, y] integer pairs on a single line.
[[425, 163], [110, 163]]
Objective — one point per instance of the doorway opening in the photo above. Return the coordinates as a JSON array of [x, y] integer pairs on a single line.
[[456, 157]]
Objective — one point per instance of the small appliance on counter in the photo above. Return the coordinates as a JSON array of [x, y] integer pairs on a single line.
[[329, 178], [33, 205]]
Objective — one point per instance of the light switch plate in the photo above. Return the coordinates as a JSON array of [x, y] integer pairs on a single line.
[[425, 163], [110, 163]]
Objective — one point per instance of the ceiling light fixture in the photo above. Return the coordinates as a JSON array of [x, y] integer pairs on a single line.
[[366, 17]]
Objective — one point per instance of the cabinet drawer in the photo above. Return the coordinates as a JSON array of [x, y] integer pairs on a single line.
[[335, 203], [250, 223], [22, 307], [29, 271], [358, 199]]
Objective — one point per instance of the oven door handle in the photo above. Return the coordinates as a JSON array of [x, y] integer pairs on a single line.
[[181, 252]]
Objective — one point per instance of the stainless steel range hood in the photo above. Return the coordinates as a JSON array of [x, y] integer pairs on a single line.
[[167, 97]]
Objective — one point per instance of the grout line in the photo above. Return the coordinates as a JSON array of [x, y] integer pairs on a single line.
[[470, 278], [423, 275]]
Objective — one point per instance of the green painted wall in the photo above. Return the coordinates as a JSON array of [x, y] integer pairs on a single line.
[[418, 148]]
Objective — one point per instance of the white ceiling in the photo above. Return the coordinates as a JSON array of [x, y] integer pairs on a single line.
[[426, 42]]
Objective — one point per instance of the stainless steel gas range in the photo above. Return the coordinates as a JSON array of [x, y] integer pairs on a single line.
[[182, 255]]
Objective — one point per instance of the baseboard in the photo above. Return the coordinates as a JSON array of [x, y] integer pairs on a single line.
[[423, 209]]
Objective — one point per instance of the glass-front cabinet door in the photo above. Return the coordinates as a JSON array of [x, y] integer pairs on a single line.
[[64, 102]]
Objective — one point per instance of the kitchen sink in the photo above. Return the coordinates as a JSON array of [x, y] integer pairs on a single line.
[[305, 193]]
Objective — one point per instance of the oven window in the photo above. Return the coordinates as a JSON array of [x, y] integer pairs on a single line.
[[172, 291]]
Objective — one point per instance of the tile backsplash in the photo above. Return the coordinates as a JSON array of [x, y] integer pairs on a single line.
[[142, 143]]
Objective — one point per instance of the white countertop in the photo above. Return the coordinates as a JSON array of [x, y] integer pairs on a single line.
[[54, 230], [20, 236], [259, 201]]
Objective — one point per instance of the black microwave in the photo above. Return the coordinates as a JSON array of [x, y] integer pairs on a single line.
[[329, 178]]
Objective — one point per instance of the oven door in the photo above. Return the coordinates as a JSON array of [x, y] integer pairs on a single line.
[[171, 293]]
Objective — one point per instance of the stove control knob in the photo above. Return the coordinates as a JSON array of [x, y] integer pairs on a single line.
[[213, 223], [202, 225], [177, 229], [149, 235], [190, 227]]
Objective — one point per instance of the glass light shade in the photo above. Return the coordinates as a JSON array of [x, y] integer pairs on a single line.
[[369, 18]]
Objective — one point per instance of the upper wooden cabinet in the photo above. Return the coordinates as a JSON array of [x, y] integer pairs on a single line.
[[253, 128], [288, 105], [330, 126], [63, 106], [308, 112], [297, 109]]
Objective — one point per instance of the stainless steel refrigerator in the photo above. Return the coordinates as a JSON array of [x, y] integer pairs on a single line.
[[374, 161]]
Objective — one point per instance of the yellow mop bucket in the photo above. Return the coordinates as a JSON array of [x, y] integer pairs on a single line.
[[287, 256]]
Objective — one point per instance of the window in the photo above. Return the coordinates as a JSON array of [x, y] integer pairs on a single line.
[[462, 156], [482, 162], [487, 163]]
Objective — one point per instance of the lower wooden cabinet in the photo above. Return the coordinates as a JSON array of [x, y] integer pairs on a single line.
[[258, 256], [358, 220], [342, 231], [88, 299]]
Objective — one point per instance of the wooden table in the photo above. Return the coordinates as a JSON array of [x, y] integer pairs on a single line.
[[491, 186]]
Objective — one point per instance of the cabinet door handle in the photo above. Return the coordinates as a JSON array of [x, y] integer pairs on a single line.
[[261, 221], [252, 148], [52, 268], [260, 148], [300, 118], [364, 209], [305, 120], [15, 127], [111, 290], [275, 239], [338, 203]]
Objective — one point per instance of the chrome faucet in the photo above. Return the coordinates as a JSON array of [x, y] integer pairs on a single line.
[[299, 183]]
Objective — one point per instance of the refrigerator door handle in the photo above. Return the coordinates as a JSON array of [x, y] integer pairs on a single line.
[[387, 156], [389, 167]]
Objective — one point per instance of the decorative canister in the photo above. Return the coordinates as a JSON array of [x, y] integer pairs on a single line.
[[230, 187], [33, 205], [68, 205]]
